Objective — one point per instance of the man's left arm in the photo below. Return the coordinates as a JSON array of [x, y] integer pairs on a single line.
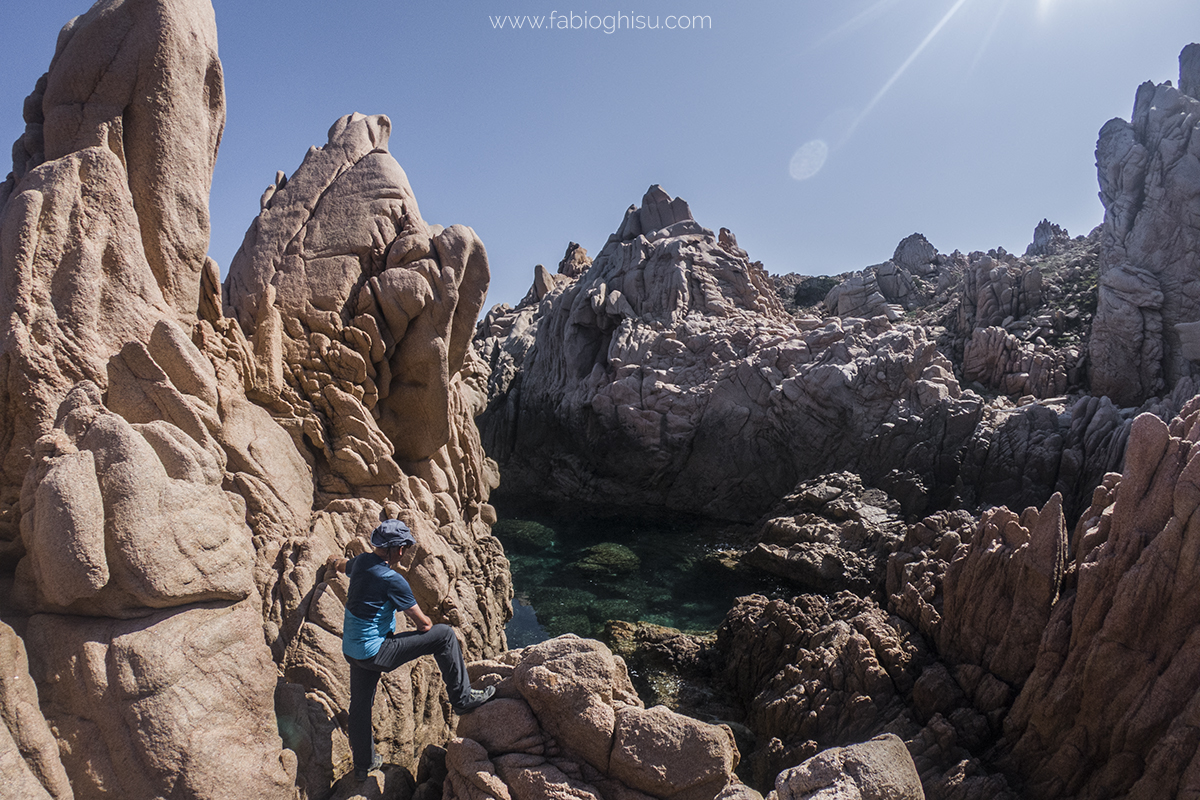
[[422, 622]]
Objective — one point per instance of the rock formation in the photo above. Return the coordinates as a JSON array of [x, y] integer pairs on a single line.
[[1147, 328], [1017, 657], [176, 470], [669, 376], [721, 408], [1048, 240], [568, 724], [1106, 709], [830, 534], [879, 769]]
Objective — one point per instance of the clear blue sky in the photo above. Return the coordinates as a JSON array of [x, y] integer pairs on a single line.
[[537, 138]]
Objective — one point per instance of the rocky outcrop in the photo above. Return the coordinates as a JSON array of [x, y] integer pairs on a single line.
[[815, 673], [30, 765], [1048, 240], [998, 359], [567, 724], [359, 315], [177, 470], [1149, 295], [1106, 709], [879, 769], [907, 281], [137, 81], [1017, 326], [669, 376], [1017, 656], [830, 534]]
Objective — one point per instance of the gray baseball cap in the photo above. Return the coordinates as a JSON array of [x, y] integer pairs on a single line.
[[392, 533]]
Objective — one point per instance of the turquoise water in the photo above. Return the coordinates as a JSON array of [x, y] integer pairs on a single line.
[[573, 572]]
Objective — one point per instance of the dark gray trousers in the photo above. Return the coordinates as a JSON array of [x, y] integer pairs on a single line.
[[400, 648]]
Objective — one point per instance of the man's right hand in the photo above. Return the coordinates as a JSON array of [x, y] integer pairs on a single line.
[[333, 565]]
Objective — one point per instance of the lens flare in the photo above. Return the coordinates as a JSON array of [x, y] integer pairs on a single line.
[[808, 160]]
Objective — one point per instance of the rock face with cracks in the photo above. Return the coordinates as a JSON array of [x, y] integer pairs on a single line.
[[1106, 710], [1018, 658], [177, 469], [1147, 329], [669, 375]]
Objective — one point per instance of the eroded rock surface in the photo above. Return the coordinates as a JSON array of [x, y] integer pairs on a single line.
[[879, 769], [1017, 659], [1148, 318], [669, 375], [568, 724], [1106, 709], [830, 534], [175, 477]]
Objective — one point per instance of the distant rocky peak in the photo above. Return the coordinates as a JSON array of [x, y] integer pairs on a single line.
[[664, 265], [575, 261], [915, 254], [659, 211], [1189, 71], [1048, 240], [729, 243]]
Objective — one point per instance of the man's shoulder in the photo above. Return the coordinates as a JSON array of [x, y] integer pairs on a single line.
[[377, 569]]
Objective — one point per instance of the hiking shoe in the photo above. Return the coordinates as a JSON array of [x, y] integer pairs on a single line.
[[474, 700], [362, 773]]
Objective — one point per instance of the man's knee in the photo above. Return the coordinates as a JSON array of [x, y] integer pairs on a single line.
[[445, 636]]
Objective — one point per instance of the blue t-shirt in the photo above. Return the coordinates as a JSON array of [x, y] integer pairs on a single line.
[[377, 592]]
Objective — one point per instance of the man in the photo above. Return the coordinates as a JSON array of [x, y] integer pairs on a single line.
[[371, 645]]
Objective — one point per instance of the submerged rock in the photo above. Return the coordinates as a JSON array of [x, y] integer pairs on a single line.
[[524, 535], [608, 558]]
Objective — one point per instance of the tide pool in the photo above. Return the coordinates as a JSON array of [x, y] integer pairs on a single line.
[[573, 572]]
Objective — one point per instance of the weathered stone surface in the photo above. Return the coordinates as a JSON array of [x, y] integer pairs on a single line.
[[378, 306], [997, 359], [1065, 663], [141, 80], [859, 296], [994, 290], [1149, 284], [30, 765], [118, 520], [830, 534], [669, 375], [834, 671], [815, 672], [982, 591], [916, 254], [175, 479], [359, 316], [1107, 708], [1048, 240], [174, 703], [568, 724], [878, 769], [70, 303]]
